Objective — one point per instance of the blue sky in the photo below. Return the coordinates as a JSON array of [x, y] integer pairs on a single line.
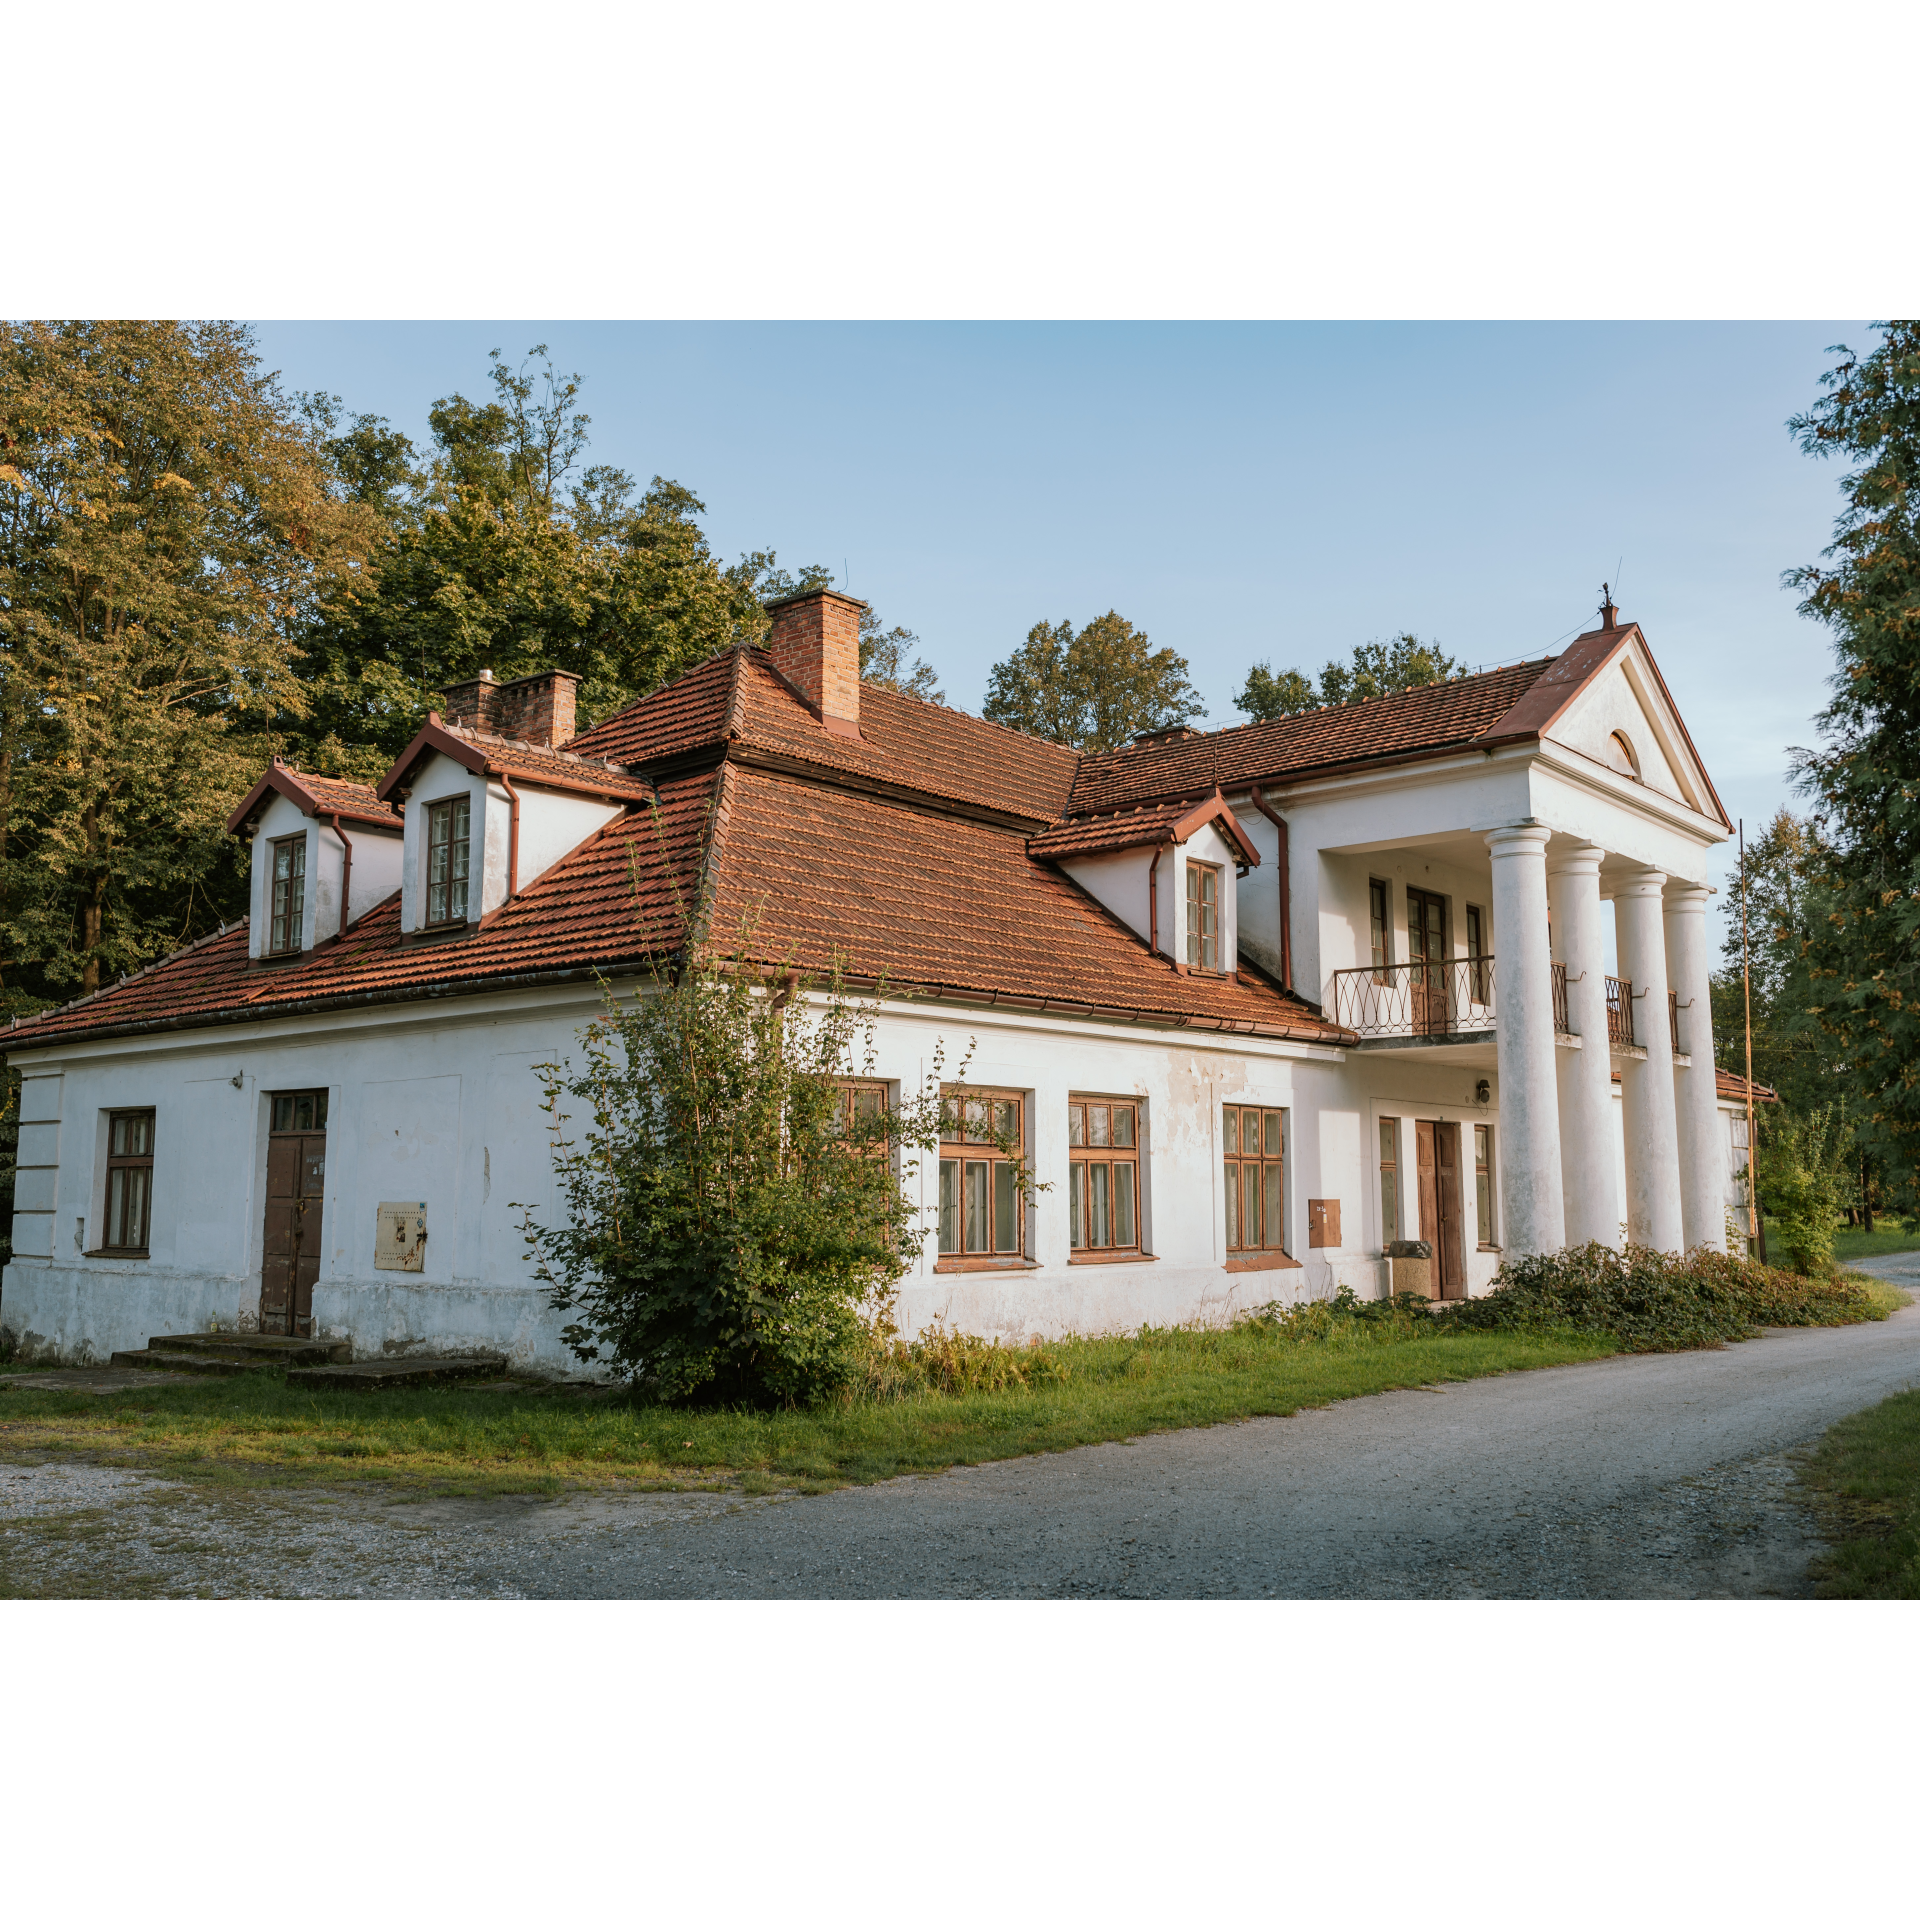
[[1242, 491]]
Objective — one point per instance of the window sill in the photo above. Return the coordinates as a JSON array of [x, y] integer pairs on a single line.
[[118, 1253], [1487, 1246], [985, 1263], [1259, 1262], [1099, 1257]]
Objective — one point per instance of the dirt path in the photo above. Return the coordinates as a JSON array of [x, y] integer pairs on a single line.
[[1664, 1475]]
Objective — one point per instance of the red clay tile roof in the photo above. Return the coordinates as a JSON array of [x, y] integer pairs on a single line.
[[315, 793], [616, 899], [799, 872], [1422, 720], [519, 759], [905, 745], [1176, 821], [1733, 1086], [950, 906]]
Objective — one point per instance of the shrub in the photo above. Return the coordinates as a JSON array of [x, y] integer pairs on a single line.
[[1660, 1302], [1804, 1184], [729, 1211]]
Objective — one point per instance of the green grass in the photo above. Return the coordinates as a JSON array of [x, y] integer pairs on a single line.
[[1866, 1476], [457, 1439], [1886, 1237]]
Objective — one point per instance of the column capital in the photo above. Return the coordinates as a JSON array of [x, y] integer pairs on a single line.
[[1577, 858], [1526, 838], [1641, 884], [1688, 896]]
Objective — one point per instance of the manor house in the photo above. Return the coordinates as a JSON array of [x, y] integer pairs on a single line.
[[1317, 1001]]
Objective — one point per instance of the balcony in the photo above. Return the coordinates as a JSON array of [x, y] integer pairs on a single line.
[[1427, 1003]]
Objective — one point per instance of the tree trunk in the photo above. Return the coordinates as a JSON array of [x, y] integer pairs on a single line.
[[93, 907]]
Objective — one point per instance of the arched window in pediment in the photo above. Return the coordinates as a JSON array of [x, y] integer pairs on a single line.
[[1621, 756]]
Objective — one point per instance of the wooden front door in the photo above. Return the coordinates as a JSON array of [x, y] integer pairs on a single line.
[[1427, 953], [1437, 1164], [296, 1185]]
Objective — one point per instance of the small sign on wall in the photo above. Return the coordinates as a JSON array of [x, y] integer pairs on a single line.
[[400, 1237], [1323, 1223]]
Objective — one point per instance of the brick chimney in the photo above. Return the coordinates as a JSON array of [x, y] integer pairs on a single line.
[[537, 708], [471, 703], [816, 643]]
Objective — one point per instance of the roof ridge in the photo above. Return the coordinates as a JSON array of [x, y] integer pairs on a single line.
[[534, 746]]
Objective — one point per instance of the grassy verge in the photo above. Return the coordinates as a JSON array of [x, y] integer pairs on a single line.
[[1866, 1477], [1886, 1237], [454, 1439]]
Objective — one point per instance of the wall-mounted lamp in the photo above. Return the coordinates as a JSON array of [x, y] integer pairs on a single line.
[[1482, 1092]]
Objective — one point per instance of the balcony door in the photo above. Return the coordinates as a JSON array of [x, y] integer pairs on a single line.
[[1437, 1163], [1427, 955]]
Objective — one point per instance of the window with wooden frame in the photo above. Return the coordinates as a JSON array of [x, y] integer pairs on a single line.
[[1477, 972], [1103, 1177], [861, 1103], [1256, 1189], [1389, 1181], [300, 1112], [449, 846], [982, 1146], [1483, 1183], [1203, 916], [129, 1180], [287, 909], [1380, 912]]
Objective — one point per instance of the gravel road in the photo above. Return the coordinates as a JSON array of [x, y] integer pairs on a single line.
[[1664, 1475]]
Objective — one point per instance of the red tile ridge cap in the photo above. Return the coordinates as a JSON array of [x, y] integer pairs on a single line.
[[291, 783]]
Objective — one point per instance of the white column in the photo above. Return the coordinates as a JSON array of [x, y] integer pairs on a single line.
[[1532, 1209], [1653, 1147], [1703, 1139], [1586, 1072]]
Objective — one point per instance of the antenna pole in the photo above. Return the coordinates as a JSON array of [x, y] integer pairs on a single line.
[[1746, 992]]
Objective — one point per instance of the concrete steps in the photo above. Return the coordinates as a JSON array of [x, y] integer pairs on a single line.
[[308, 1363], [368, 1376], [232, 1353]]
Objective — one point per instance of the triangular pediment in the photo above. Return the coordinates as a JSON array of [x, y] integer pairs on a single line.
[[1623, 718]]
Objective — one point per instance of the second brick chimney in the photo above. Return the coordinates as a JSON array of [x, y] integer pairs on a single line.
[[815, 642], [538, 708]]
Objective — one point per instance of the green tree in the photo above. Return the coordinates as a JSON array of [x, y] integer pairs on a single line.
[[1377, 667], [731, 1216], [502, 552], [1804, 1164], [1863, 945], [1094, 689], [168, 523], [1786, 866]]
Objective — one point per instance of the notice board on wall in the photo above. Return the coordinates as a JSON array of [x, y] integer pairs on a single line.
[[400, 1237]]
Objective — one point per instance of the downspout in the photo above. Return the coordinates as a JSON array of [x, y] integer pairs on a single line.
[[513, 835], [346, 874], [1286, 893], [1153, 903]]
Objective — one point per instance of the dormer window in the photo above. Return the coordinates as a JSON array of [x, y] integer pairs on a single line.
[[448, 848], [1621, 756], [1203, 916], [289, 894]]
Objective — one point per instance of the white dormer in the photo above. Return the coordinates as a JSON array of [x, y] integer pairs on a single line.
[[487, 813], [1171, 873], [317, 843]]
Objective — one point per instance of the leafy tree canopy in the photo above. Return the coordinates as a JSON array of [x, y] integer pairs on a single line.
[[168, 527], [1377, 667], [1863, 934], [1093, 690]]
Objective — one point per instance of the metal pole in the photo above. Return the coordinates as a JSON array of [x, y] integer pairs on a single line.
[[1746, 991]]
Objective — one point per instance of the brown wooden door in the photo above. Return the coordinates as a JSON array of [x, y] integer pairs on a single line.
[[296, 1186], [1427, 951], [1437, 1169], [1449, 1250]]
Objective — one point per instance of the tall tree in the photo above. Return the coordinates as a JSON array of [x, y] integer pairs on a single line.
[[1094, 689], [167, 523], [503, 552], [1377, 667], [1863, 944], [1786, 864]]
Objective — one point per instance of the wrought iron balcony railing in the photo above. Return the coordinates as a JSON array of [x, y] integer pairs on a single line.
[[1619, 1012], [1422, 999]]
